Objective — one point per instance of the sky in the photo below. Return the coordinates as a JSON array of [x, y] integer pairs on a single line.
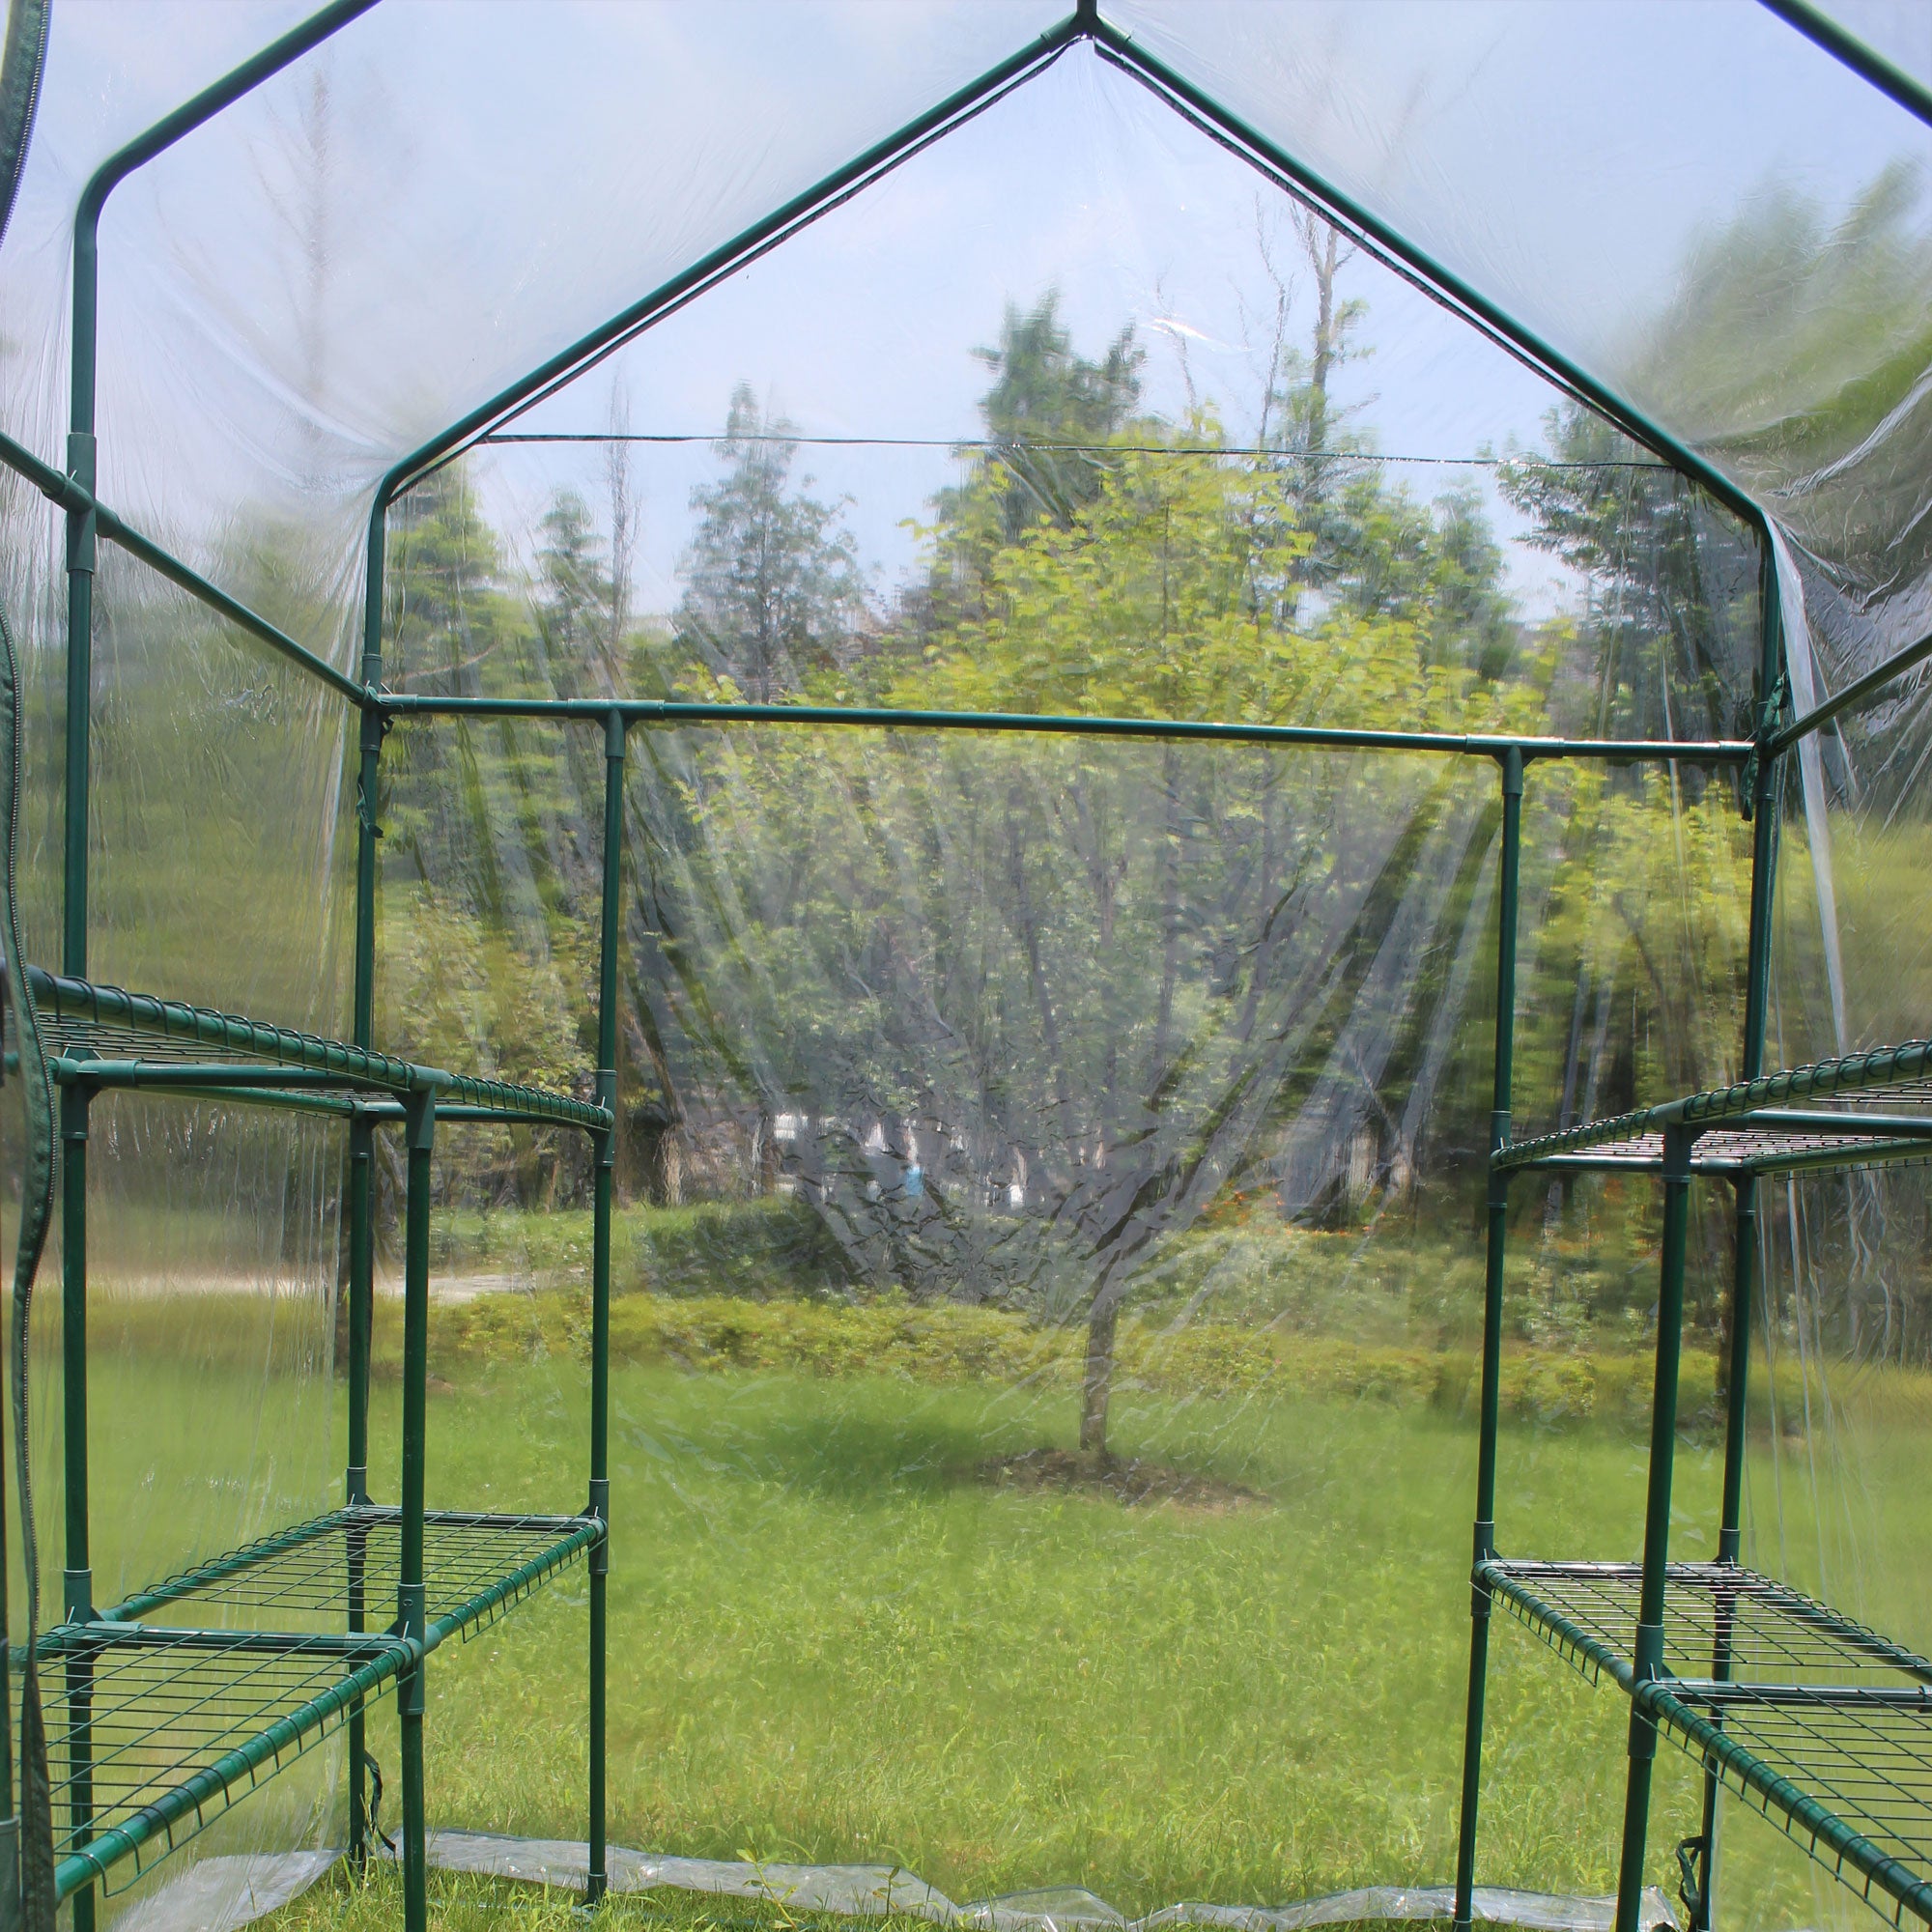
[[493, 180], [1082, 183]]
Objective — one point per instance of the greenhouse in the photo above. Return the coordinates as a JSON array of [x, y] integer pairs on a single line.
[[881, 880]]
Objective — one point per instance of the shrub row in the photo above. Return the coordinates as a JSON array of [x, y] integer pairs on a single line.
[[944, 1344]]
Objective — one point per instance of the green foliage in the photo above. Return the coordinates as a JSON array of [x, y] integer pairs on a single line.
[[837, 1637], [941, 1345], [772, 585], [1049, 414], [1799, 329], [757, 1249], [1092, 993], [1673, 617]]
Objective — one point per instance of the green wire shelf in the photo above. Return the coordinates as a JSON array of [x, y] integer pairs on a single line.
[[1820, 1723], [475, 1566], [106, 1037], [152, 1734], [1863, 1108], [165, 1709], [1717, 1617], [157, 1723]]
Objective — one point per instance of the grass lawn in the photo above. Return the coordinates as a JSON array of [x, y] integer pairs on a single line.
[[835, 1640], [840, 1635]]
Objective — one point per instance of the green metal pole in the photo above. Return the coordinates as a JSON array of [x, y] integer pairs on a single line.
[[419, 1126], [664, 711], [1763, 799], [746, 246], [82, 547], [1508, 868], [1863, 60], [77, 1584], [1648, 1656], [1764, 806], [355, 1486], [361, 1143], [606, 1146], [367, 778], [1743, 1267], [1494, 320], [81, 457], [1744, 1280]]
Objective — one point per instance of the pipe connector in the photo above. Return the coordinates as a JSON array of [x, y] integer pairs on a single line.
[[599, 1506], [83, 521], [411, 1610]]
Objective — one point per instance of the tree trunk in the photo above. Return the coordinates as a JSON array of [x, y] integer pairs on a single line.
[[1098, 1387]]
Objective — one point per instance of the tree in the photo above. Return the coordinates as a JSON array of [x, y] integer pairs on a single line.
[[1149, 1093], [1300, 416], [1670, 622], [1796, 345], [577, 597], [773, 591], [1049, 414]]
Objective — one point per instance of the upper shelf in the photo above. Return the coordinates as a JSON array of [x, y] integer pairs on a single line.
[[107, 1037], [1880, 1108]]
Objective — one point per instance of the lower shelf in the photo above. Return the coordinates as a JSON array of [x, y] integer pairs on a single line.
[[349, 1562], [1817, 1722], [152, 1734], [1718, 1620], [169, 1708]]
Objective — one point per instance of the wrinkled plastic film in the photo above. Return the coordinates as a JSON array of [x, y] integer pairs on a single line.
[[978, 1095], [1792, 252]]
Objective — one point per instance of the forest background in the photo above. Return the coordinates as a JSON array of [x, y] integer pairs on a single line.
[[1060, 1026]]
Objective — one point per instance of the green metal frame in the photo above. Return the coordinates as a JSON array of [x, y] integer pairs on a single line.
[[1866, 61], [1763, 777], [365, 1088]]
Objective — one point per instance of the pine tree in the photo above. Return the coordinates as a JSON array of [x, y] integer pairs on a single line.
[[773, 591]]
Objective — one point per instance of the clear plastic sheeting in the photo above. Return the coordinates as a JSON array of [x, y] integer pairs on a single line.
[[1241, 360], [1835, 1479], [1047, 1251], [217, 858], [1045, 1157], [225, 1894], [876, 1891], [1746, 263]]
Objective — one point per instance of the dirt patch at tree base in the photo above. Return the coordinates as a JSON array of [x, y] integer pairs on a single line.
[[1133, 1481]]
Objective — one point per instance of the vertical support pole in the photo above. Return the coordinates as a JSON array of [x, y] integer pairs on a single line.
[[10, 1823], [77, 1585], [361, 1165], [1744, 1282], [419, 1125], [1763, 798], [1508, 871], [82, 547], [355, 1486], [1649, 1653], [606, 1144], [361, 1305], [1702, 1897]]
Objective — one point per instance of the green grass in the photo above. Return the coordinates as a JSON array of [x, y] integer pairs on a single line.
[[831, 1642], [459, 1903], [834, 1639]]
